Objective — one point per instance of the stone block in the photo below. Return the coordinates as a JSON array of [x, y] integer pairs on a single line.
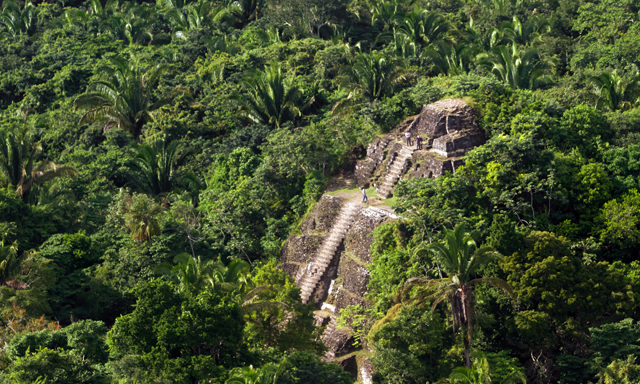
[[350, 365]]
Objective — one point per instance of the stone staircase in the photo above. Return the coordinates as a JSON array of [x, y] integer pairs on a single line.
[[395, 172], [328, 333], [327, 251]]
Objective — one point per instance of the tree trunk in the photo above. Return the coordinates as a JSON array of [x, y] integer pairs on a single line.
[[467, 346], [466, 307]]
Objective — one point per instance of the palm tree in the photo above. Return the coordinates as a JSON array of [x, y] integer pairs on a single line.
[[129, 21], [460, 258], [387, 12], [246, 10], [123, 97], [372, 76], [197, 16], [155, 164], [140, 218], [193, 273], [222, 44], [16, 21], [415, 31], [76, 16], [19, 148], [449, 60], [616, 92], [423, 28], [235, 277], [480, 373], [518, 69], [248, 375], [269, 98], [499, 6], [9, 261], [189, 272], [520, 33], [268, 36], [13, 266]]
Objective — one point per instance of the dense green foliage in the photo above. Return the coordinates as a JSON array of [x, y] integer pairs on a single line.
[[154, 157]]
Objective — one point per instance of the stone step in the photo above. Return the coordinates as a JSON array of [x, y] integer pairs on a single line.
[[327, 251], [310, 284], [325, 261], [393, 174]]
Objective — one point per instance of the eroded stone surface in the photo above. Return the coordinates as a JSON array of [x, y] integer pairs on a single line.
[[339, 343], [298, 251], [350, 365], [449, 130], [376, 154], [442, 118]]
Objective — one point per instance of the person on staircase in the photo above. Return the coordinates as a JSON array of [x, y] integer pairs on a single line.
[[407, 136], [418, 142], [364, 195]]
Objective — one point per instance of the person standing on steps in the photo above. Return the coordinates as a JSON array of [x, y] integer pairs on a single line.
[[364, 195], [407, 135], [418, 142]]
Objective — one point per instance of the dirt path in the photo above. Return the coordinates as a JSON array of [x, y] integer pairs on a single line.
[[345, 186]]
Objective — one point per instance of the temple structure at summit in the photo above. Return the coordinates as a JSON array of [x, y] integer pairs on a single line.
[[448, 128]]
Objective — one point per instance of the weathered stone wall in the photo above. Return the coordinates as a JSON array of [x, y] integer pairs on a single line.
[[444, 117], [323, 215], [430, 123], [355, 257], [456, 144], [429, 164], [375, 155], [449, 130], [298, 251], [377, 152]]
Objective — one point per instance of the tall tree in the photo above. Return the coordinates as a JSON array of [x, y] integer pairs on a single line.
[[616, 92], [372, 76], [19, 147], [9, 260], [16, 21], [519, 69], [267, 374], [155, 164], [269, 97], [196, 274], [480, 373], [448, 59], [423, 27], [460, 259], [123, 96], [141, 217], [246, 10]]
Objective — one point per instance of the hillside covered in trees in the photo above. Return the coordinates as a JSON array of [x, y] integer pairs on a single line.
[[154, 157]]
